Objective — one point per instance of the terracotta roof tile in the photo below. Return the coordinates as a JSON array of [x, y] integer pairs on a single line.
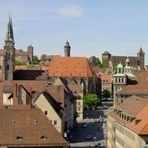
[[134, 90], [106, 78], [70, 67], [27, 127], [133, 105], [140, 124]]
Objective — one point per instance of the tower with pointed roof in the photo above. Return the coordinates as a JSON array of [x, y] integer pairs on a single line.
[[9, 58], [67, 48], [141, 58]]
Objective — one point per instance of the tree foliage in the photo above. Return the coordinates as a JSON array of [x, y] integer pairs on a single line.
[[91, 100], [105, 63], [18, 62], [35, 60], [43, 57], [98, 62], [106, 93]]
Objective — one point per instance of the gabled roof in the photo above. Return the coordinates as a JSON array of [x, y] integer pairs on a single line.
[[106, 78], [134, 90], [140, 123], [27, 127], [56, 105], [133, 105], [69, 67], [57, 92], [122, 59]]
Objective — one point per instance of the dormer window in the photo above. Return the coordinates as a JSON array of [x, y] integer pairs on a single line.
[[19, 138], [43, 138], [35, 122]]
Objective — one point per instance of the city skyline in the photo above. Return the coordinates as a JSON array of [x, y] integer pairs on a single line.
[[91, 28]]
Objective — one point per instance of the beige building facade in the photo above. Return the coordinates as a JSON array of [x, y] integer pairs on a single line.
[[127, 126], [50, 112]]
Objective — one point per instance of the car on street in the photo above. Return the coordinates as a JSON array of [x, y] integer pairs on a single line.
[[88, 137], [85, 125]]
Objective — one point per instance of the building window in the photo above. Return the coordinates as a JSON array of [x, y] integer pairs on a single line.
[[46, 112], [7, 67], [79, 108], [55, 122], [35, 122], [19, 138], [43, 138]]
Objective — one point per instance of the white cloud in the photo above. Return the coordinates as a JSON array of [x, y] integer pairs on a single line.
[[25, 11], [69, 11]]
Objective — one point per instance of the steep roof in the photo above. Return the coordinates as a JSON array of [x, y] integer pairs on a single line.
[[27, 127], [140, 123], [137, 108], [134, 90], [69, 67], [122, 59], [133, 105], [106, 78], [56, 105], [57, 92]]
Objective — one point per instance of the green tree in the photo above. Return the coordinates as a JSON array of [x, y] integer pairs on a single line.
[[105, 63], [106, 94], [43, 57], [35, 60], [18, 62], [91, 100], [98, 62]]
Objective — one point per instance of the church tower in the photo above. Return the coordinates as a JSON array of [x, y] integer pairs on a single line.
[[67, 49], [141, 58], [9, 58]]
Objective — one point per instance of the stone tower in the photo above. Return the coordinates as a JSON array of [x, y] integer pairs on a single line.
[[141, 58], [9, 58], [67, 49], [30, 52]]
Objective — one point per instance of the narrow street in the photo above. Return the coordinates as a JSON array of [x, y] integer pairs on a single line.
[[91, 132]]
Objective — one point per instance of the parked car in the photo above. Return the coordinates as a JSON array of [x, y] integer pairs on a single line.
[[85, 125], [88, 137]]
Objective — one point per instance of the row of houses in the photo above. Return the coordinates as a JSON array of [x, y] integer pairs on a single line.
[[39, 107]]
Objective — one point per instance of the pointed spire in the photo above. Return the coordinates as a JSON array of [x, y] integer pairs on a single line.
[[9, 35]]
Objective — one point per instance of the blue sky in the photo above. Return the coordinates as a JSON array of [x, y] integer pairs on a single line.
[[91, 26]]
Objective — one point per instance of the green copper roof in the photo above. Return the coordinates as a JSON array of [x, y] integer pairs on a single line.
[[9, 35], [119, 75], [127, 67], [119, 66], [129, 74]]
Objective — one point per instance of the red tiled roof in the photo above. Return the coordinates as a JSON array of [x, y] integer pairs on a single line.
[[31, 125], [140, 124], [70, 67], [106, 78]]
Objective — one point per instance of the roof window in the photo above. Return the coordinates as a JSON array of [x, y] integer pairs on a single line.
[[19, 138], [43, 138], [35, 122]]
